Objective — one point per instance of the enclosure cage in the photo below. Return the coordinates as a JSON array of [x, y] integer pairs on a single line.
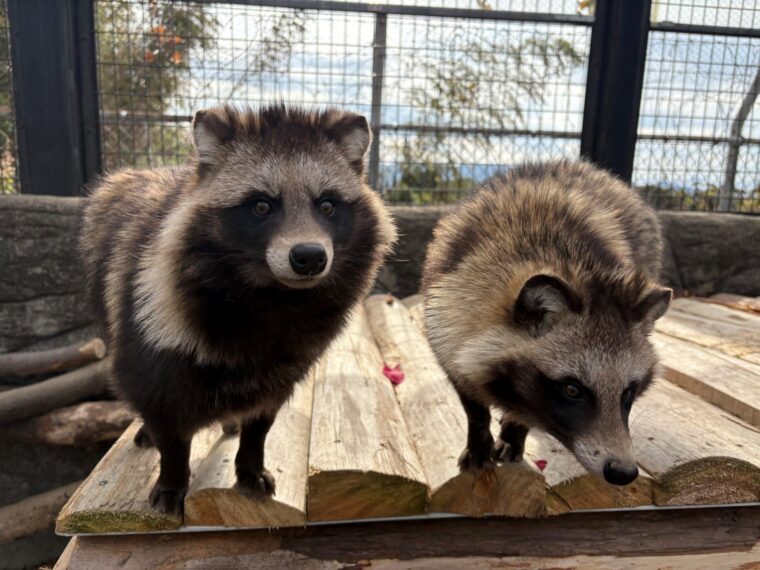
[[662, 93]]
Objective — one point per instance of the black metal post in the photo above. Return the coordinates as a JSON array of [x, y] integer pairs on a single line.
[[615, 79], [378, 71], [55, 94]]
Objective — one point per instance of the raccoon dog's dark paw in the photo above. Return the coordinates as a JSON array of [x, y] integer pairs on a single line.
[[505, 452], [475, 460], [255, 485], [169, 501], [142, 438], [231, 427]]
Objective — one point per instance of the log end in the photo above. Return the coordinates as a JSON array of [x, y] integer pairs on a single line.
[[590, 492], [95, 349], [349, 495], [513, 490], [103, 521], [709, 481], [229, 508]]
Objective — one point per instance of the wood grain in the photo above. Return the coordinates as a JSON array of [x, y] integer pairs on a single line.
[[654, 534], [362, 463], [733, 332], [416, 306], [213, 499], [573, 488], [114, 497], [53, 360], [33, 514], [80, 425], [728, 382], [697, 453], [749, 304], [438, 426], [62, 390]]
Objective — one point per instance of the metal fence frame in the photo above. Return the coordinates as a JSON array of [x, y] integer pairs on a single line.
[[56, 96]]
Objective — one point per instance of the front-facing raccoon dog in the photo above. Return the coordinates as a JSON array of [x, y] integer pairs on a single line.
[[541, 292], [222, 281]]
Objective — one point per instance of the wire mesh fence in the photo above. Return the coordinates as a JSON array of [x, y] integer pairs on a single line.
[[699, 129], [460, 98], [456, 90], [8, 152]]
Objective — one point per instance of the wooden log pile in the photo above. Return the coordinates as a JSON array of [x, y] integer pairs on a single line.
[[376, 429], [65, 408]]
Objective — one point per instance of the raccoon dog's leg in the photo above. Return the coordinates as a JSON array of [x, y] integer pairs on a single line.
[[477, 454], [252, 477], [169, 492], [511, 443], [142, 438]]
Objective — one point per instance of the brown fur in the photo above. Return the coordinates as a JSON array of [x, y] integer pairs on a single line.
[[549, 272], [205, 317]]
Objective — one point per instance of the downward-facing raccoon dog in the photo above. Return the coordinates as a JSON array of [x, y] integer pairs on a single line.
[[541, 292], [223, 280]]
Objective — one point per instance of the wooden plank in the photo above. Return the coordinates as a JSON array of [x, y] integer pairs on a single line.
[[572, 488], [438, 426], [697, 453], [733, 332], [362, 463], [730, 383], [416, 306], [653, 534], [213, 499], [114, 498], [749, 304]]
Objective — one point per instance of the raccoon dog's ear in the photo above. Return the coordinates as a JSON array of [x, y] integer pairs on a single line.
[[653, 305], [351, 132], [543, 299], [211, 129]]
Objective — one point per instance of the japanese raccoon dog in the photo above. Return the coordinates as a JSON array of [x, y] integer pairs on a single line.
[[220, 282], [540, 294]]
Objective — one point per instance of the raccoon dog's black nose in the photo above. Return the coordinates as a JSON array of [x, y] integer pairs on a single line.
[[308, 258], [620, 473]]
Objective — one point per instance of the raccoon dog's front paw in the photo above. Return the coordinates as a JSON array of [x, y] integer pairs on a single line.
[[255, 485], [476, 459], [142, 438], [169, 501], [506, 452]]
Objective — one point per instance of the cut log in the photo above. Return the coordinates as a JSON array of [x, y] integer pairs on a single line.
[[697, 453], [213, 499], [572, 488], [62, 390], [438, 426], [114, 498], [416, 306], [749, 304], [732, 332], [362, 463], [74, 356], [33, 514], [730, 383], [80, 425]]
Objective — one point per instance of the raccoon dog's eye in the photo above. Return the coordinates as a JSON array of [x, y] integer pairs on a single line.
[[262, 208], [627, 398], [573, 391], [326, 208]]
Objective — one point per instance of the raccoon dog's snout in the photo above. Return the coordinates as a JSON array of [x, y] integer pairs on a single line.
[[308, 259], [619, 472]]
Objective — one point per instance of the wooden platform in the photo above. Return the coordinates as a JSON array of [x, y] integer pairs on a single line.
[[352, 445]]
